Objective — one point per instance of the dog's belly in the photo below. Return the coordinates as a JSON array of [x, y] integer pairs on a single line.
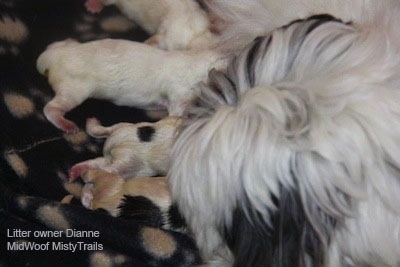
[[157, 106], [142, 100], [139, 95], [148, 102]]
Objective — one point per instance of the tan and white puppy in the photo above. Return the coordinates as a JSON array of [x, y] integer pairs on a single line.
[[106, 191], [132, 150], [123, 72], [173, 24]]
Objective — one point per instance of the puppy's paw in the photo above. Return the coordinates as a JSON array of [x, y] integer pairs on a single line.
[[103, 190], [94, 6], [68, 126], [55, 115], [63, 124], [153, 41], [87, 195], [76, 171]]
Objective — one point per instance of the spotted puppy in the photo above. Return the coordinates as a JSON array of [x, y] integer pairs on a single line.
[[144, 199], [173, 24], [132, 150], [124, 72]]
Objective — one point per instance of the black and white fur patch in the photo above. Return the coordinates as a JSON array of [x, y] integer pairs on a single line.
[[143, 210], [146, 133]]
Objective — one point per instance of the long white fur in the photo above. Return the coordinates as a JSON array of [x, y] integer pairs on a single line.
[[243, 20], [124, 72], [326, 124]]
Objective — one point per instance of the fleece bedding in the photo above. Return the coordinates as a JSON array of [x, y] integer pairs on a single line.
[[42, 222]]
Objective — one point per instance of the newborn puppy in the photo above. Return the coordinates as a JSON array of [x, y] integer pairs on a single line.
[[132, 150], [145, 199], [106, 190], [124, 72], [174, 24]]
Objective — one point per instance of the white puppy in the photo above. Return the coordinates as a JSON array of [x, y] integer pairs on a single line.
[[132, 150], [124, 72], [173, 24]]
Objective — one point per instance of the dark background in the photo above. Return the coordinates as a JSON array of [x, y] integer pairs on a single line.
[[35, 155]]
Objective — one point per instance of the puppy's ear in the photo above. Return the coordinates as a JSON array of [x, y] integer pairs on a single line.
[[288, 240]]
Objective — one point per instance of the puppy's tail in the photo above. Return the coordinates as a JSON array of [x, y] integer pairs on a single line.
[[95, 129]]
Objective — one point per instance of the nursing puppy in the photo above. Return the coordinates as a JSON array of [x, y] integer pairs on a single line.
[[146, 200], [292, 157], [124, 72], [132, 150], [173, 24]]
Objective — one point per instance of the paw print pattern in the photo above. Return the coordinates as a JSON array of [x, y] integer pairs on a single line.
[[109, 24], [13, 33]]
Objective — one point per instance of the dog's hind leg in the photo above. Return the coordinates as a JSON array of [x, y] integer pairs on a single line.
[[63, 102], [55, 111], [127, 162], [96, 130]]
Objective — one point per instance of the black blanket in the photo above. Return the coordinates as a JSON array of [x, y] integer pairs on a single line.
[[36, 229]]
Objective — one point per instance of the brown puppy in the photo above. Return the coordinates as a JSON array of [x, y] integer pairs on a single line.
[[106, 190]]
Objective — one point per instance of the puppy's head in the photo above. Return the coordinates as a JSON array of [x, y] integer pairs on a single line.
[[272, 155]]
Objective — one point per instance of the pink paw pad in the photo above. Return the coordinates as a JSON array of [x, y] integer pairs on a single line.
[[67, 126], [87, 195], [76, 171], [153, 41], [94, 6]]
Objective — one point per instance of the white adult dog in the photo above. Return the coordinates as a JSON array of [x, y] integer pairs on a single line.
[[293, 157]]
